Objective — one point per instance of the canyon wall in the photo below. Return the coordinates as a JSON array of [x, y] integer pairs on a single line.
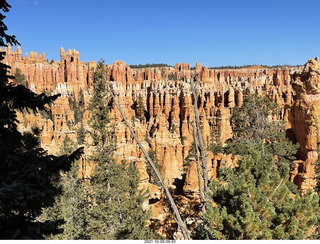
[[169, 111]]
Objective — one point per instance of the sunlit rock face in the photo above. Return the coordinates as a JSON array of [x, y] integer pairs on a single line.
[[305, 121], [169, 111]]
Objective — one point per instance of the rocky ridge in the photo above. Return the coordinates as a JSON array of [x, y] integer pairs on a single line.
[[168, 103]]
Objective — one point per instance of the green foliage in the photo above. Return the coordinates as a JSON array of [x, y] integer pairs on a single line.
[[67, 147], [81, 99], [71, 206], [117, 213], [183, 138], [69, 124], [77, 106], [98, 107], [314, 122], [133, 120], [134, 218], [140, 109], [116, 209], [201, 233], [28, 175], [191, 155], [72, 100], [47, 114], [163, 73], [78, 116], [20, 78], [255, 200], [147, 139], [152, 131], [173, 128], [215, 148], [172, 76], [81, 135], [317, 175], [152, 176], [251, 122]]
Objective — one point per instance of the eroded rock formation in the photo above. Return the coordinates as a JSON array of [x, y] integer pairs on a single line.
[[169, 111], [305, 121]]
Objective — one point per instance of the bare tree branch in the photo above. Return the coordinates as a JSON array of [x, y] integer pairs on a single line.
[[178, 218], [200, 177], [201, 146]]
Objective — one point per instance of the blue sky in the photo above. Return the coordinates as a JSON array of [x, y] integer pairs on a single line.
[[214, 33]]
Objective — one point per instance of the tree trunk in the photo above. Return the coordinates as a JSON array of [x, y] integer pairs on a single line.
[[178, 218], [203, 152], [200, 177]]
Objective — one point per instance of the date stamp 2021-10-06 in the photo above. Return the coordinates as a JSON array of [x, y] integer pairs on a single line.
[[159, 241]]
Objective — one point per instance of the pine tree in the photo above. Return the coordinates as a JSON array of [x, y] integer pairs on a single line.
[[190, 157], [81, 99], [116, 211], [140, 109], [152, 176], [314, 122], [256, 200], [28, 175], [251, 122], [81, 135], [20, 78], [72, 205], [68, 146]]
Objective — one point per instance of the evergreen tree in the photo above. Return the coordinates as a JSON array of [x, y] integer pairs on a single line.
[[256, 200], [152, 176], [81, 135], [251, 122], [68, 146], [191, 155], [317, 190], [27, 173], [77, 107], [140, 109], [314, 122], [72, 205], [20, 78], [152, 131], [81, 99], [116, 211], [215, 148]]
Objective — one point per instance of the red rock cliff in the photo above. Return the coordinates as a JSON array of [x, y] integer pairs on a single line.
[[169, 111]]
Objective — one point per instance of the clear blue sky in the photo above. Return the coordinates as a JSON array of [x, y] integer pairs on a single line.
[[214, 33]]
